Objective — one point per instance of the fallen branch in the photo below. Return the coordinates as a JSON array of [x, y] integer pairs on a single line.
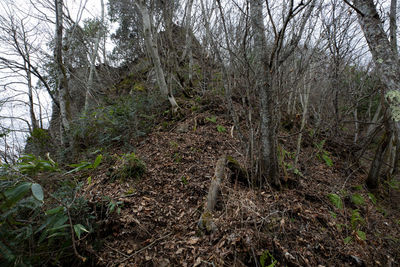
[[205, 222], [144, 248]]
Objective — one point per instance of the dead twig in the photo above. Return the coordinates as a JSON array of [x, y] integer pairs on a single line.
[[144, 248]]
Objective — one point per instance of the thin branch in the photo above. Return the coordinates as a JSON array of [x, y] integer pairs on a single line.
[[355, 8]]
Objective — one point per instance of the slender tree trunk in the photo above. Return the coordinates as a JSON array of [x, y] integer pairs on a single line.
[[62, 82], [374, 120], [304, 97], [268, 159], [188, 43], [152, 48], [93, 56], [356, 125], [34, 121], [393, 25]]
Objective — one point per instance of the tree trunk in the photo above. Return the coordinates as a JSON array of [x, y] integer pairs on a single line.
[[304, 99], [152, 49], [62, 82], [34, 121], [268, 162], [93, 56], [393, 25], [188, 44], [386, 61]]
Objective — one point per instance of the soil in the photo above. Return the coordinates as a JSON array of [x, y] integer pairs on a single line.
[[157, 224]]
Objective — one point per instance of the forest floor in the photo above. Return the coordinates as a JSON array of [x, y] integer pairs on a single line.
[[300, 225]]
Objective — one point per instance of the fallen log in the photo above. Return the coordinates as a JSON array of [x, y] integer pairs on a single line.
[[205, 222]]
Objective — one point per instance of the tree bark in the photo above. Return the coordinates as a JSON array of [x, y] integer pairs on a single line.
[[62, 82], [393, 25], [93, 56], [188, 44], [386, 61], [152, 49], [268, 159]]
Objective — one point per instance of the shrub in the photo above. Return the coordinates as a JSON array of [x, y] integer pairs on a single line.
[[33, 228], [129, 166], [39, 142], [117, 122]]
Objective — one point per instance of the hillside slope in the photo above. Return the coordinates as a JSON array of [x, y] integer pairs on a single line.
[[301, 225]]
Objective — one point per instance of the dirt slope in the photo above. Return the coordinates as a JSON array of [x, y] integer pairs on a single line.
[[157, 225]]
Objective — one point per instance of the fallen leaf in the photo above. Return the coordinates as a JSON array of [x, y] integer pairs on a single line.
[[197, 262], [193, 240]]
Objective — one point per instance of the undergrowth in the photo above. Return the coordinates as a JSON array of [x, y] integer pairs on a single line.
[[40, 226]]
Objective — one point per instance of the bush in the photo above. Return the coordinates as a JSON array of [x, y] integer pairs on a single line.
[[39, 142], [118, 122], [35, 229]]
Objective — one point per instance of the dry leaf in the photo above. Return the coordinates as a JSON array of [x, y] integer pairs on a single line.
[[193, 240]]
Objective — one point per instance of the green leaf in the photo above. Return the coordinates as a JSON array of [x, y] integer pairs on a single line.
[[356, 219], [336, 200], [357, 199], [97, 161], [213, 119], [55, 229], [221, 129], [54, 211], [61, 220], [327, 159], [79, 228], [79, 166], [15, 194], [333, 214], [347, 240], [361, 235], [37, 192]]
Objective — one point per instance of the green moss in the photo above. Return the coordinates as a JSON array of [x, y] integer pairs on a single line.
[[139, 87]]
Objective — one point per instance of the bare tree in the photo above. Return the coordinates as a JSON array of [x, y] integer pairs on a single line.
[[93, 57], [62, 81], [152, 48], [269, 59]]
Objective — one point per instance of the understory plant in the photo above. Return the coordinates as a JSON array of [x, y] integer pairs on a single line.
[[40, 226]]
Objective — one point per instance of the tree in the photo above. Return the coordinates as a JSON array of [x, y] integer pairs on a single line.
[[21, 56], [93, 57], [62, 80], [270, 59], [127, 38], [152, 48], [387, 65]]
